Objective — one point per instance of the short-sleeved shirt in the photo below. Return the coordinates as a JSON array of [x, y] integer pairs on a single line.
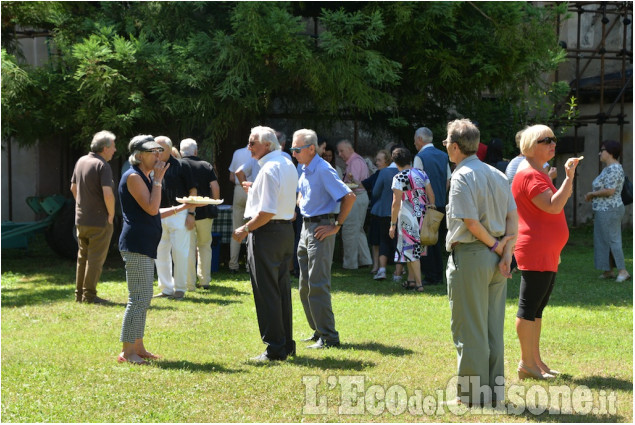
[[611, 177], [321, 188], [91, 174], [358, 168], [541, 235], [203, 174], [240, 156], [251, 168], [480, 192], [177, 182], [274, 189]]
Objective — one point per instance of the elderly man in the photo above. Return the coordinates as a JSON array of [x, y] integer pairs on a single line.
[[355, 244], [92, 186], [320, 190], [175, 237], [201, 235], [482, 227], [238, 174], [435, 164], [269, 211]]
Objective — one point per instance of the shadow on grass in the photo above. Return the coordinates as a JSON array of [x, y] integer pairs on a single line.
[[331, 363], [224, 291], [217, 301], [194, 367], [604, 383], [387, 350]]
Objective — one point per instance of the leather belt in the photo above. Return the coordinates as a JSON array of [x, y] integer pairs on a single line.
[[278, 221], [318, 218]]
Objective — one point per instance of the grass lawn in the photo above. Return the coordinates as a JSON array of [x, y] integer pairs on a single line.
[[59, 357]]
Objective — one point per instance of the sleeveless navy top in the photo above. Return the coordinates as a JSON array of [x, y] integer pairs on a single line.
[[141, 231]]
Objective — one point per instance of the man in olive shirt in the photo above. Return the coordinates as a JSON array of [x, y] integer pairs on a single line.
[[92, 186], [482, 227]]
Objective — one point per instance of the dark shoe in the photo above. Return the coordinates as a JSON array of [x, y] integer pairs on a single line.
[[263, 358], [321, 344], [98, 300], [233, 271], [313, 338], [206, 286], [161, 295], [178, 295]]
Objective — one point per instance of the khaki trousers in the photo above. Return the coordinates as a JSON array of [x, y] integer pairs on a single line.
[[93, 243]]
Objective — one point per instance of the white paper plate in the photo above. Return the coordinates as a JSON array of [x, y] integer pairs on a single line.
[[200, 201], [352, 185]]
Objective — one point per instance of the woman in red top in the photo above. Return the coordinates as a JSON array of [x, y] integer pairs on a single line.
[[542, 233]]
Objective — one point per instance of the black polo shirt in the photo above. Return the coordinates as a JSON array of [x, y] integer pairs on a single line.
[[203, 174], [177, 183]]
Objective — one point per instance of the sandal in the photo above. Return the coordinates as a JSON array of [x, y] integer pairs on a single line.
[[418, 288], [408, 285]]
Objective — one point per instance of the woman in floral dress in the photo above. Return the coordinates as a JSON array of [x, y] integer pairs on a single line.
[[412, 194]]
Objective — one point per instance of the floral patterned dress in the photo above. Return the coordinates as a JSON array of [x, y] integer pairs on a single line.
[[413, 208]]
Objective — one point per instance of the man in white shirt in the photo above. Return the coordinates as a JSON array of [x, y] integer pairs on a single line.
[[269, 210], [241, 157]]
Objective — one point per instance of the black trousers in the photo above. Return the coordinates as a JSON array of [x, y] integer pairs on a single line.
[[269, 253], [432, 263]]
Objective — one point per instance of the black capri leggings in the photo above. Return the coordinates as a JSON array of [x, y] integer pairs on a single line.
[[535, 290]]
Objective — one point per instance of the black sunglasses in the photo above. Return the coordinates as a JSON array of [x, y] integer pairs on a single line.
[[548, 140]]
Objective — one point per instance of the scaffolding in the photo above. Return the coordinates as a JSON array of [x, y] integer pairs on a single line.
[[592, 84]]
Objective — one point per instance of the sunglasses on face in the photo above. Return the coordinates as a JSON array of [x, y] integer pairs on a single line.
[[548, 140], [299, 148], [155, 150]]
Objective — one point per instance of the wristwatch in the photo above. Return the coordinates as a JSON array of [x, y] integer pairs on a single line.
[[246, 228], [192, 213], [337, 223]]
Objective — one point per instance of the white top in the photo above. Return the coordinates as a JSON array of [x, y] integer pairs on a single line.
[[274, 189], [417, 163], [250, 168], [240, 157]]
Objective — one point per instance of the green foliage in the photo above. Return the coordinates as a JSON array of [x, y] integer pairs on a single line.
[[201, 69]]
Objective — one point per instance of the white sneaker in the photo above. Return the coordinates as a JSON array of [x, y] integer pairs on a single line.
[[381, 275], [622, 277], [396, 278]]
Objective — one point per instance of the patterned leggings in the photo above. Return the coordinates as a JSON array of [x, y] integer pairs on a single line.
[[140, 278]]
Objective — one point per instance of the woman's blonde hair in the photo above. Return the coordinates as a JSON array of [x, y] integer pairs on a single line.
[[531, 135]]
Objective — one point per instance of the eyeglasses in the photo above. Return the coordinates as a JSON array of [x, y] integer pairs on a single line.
[[446, 142], [299, 149], [603, 149], [250, 144], [153, 150], [548, 140]]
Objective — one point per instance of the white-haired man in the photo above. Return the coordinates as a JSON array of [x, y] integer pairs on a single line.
[[201, 235], [354, 242], [436, 165], [269, 210], [92, 186], [175, 237]]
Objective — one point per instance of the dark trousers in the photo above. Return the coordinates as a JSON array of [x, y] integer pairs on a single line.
[[269, 253], [432, 263]]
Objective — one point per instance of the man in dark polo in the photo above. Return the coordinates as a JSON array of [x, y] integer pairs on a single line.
[[92, 186], [201, 236], [269, 210], [174, 246], [321, 190]]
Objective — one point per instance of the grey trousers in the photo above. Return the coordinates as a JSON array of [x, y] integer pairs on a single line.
[[477, 292], [315, 258], [607, 238], [354, 242]]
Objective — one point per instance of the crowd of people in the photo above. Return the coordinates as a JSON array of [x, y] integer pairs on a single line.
[[289, 209]]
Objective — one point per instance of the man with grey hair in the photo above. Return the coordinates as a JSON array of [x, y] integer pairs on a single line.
[[320, 192], [436, 165], [201, 235], [482, 228], [354, 242], [93, 188], [174, 246], [269, 210]]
